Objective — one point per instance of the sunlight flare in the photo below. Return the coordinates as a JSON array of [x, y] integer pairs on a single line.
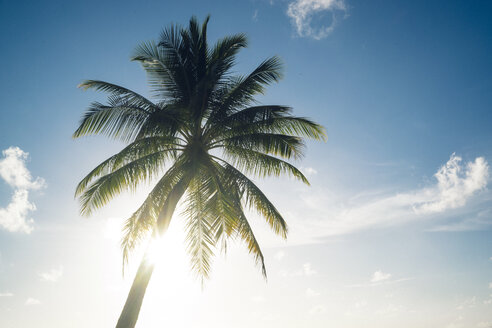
[[155, 250]]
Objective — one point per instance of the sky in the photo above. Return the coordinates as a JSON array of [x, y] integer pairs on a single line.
[[395, 228]]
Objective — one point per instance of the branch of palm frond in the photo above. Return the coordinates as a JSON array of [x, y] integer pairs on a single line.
[[126, 177], [165, 70], [135, 150], [120, 91], [259, 164], [289, 126], [120, 121], [255, 199], [199, 237], [234, 220], [240, 91], [263, 119], [281, 145]]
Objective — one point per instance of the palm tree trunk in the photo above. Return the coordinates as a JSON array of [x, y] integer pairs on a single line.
[[129, 314]]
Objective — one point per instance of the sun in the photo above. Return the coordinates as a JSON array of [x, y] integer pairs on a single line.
[[172, 286], [167, 248]]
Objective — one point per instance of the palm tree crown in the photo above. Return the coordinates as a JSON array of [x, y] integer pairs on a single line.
[[203, 138]]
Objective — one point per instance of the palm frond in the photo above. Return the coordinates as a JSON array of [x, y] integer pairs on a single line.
[[120, 119], [234, 220], [275, 144], [221, 204], [132, 152], [291, 125], [260, 164], [254, 114], [171, 121], [245, 232], [240, 91], [256, 200], [163, 71], [174, 51], [127, 177], [245, 88], [222, 56], [200, 241], [116, 90]]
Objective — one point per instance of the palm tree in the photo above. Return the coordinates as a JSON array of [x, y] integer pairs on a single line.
[[201, 137]]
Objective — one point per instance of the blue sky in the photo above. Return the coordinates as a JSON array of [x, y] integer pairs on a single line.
[[395, 229]]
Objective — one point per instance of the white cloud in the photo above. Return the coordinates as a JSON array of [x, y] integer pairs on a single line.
[[52, 276], [309, 171], [468, 303], [32, 301], [310, 293], [6, 294], [317, 309], [484, 324], [490, 284], [13, 170], [379, 276], [279, 255], [455, 325], [258, 299], [302, 13], [14, 217], [255, 16], [389, 310], [472, 222], [456, 184], [308, 270]]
